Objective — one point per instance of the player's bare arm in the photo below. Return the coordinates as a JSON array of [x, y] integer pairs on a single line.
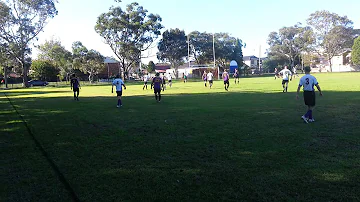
[[319, 89], [297, 92]]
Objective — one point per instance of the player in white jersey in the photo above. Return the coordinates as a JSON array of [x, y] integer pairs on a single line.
[[308, 81], [146, 79], [210, 78], [295, 72], [119, 84], [286, 74], [169, 77]]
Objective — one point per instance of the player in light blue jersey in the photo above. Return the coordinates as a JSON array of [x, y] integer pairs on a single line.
[[119, 84], [308, 82]]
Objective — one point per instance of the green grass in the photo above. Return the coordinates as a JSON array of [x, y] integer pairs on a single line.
[[198, 144]]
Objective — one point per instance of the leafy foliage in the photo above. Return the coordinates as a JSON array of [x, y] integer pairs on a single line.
[[43, 70], [88, 61], [21, 21], [334, 33], [56, 53], [150, 67], [173, 47], [128, 32], [355, 54], [289, 42]]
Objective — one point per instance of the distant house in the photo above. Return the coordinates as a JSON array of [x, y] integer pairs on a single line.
[[112, 68], [162, 67]]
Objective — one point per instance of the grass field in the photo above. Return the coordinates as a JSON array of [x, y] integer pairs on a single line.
[[198, 144]]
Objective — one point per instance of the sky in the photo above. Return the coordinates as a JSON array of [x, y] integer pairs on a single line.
[[249, 20]]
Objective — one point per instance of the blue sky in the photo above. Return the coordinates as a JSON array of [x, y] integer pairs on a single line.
[[249, 20]]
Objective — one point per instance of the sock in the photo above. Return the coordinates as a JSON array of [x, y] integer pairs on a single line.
[[156, 96], [118, 102], [159, 97], [310, 114], [307, 114]]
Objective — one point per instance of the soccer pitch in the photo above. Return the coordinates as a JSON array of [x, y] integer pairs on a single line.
[[198, 144]]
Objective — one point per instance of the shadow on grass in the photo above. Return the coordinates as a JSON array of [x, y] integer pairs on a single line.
[[190, 147]]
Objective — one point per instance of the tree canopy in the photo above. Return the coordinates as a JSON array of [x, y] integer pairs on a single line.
[[128, 32], [61, 58], [334, 33], [87, 61], [21, 21], [355, 54], [173, 47]]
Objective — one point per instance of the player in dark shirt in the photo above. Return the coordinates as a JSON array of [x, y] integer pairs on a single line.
[[157, 83], [75, 85]]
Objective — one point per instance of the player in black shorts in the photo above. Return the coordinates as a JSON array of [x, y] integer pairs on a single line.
[[75, 85]]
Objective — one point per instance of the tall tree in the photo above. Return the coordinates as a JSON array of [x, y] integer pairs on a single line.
[[20, 23], [227, 48], [290, 42], [173, 48], [355, 53], [334, 33], [128, 32], [90, 62], [43, 70], [53, 51], [201, 46], [150, 67]]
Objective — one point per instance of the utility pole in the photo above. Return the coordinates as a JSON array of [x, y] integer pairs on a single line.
[[259, 59], [188, 42], [214, 55]]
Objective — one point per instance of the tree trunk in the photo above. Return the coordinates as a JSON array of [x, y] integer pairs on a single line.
[[5, 77], [90, 77], [330, 64], [25, 79]]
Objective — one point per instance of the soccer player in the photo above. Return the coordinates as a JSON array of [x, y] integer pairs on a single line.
[[119, 84], [158, 85], [204, 76], [75, 85], [185, 77], [294, 72], [237, 76], [164, 82], [308, 81], [225, 77], [146, 79], [210, 78], [169, 77], [276, 72], [285, 74]]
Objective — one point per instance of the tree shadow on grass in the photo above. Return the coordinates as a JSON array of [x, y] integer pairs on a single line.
[[226, 146]]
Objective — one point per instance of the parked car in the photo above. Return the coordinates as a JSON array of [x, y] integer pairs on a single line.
[[37, 83]]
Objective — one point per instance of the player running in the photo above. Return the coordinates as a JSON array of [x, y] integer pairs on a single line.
[[210, 78], [294, 72], [237, 76], [169, 77], [308, 81], [204, 77], [146, 79], [157, 83], [119, 84], [276, 74], [225, 77], [285, 74], [75, 85], [163, 82]]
